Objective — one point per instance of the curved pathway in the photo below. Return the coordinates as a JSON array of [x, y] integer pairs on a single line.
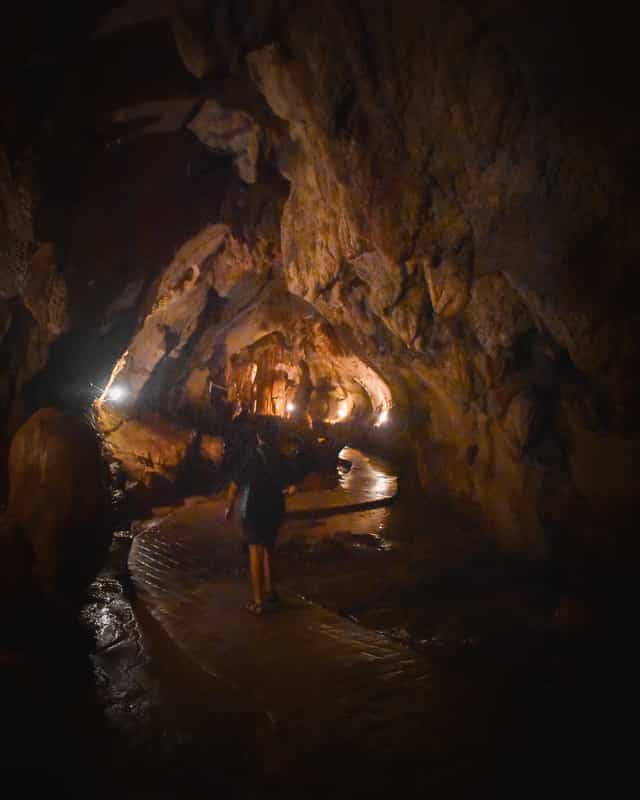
[[369, 483], [328, 688]]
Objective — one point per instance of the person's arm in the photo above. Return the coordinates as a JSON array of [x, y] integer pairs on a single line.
[[232, 493], [287, 478]]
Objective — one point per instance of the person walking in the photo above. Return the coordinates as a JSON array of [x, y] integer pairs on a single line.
[[260, 484]]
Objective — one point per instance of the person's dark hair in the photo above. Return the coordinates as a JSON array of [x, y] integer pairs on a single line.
[[268, 431]]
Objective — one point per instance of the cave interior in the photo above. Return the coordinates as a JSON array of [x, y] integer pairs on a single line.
[[405, 228]]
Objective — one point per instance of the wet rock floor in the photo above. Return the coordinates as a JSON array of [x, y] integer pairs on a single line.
[[521, 701]]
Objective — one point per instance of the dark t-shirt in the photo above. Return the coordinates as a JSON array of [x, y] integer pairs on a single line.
[[261, 479]]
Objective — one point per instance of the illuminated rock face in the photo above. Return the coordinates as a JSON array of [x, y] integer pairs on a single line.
[[146, 446], [268, 351], [365, 206], [232, 131]]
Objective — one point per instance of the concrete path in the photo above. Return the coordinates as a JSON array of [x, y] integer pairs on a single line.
[[325, 684]]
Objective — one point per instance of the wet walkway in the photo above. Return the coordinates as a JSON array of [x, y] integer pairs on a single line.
[[467, 694], [368, 483], [186, 695], [325, 687]]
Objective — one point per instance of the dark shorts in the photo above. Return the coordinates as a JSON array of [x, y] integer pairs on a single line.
[[264, 532]]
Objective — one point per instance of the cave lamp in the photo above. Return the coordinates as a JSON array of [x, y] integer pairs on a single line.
[[383, 418], [116, 394]]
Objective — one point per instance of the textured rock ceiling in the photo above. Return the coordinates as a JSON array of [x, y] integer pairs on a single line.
[[425, 205]]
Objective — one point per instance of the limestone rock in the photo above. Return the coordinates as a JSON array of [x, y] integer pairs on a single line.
[[181, 296], [520, 420], [192, 50], [147, 446], [154, 117], [448, 283], [58, 498], [232, 131], [197, 390], [402, 134], [277, 80], [408, 315], [375, 270], [311, 246], [45, 294], [234, 263], [496, 313]]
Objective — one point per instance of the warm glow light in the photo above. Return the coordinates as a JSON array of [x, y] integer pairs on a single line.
[[116, 394], [291, 407], [383, 417], [342, 411]]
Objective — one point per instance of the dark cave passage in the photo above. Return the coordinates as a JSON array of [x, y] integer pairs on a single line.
[[377, 262]]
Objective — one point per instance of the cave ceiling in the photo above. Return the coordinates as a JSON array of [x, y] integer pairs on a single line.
[[425, 207]]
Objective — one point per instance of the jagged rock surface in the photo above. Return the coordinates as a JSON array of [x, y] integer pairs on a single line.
[[449, 212]]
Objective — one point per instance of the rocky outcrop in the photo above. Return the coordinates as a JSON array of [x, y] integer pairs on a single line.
[[433, 145], [58, 502], [230, 131], [146, 447], [267, 351], [33, 294], [16, 565], [357, 209]]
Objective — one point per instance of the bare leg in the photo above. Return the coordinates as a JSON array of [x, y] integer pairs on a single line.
[[266, 563], [256, 559]]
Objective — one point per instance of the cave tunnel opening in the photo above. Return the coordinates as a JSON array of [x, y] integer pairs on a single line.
[[384, 253]]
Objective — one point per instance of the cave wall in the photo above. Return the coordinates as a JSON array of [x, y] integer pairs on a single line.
[[462, 202], [448, 189]]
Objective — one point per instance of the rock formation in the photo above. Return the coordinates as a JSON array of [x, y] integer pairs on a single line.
[[417, 208], [58, 508]]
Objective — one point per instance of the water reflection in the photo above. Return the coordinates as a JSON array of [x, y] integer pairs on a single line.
[[368, 479]]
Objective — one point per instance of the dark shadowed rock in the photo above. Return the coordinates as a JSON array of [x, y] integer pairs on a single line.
[[58, 499], [16, 566]]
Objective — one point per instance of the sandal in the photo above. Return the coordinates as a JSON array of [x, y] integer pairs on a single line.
[[254, 608]]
